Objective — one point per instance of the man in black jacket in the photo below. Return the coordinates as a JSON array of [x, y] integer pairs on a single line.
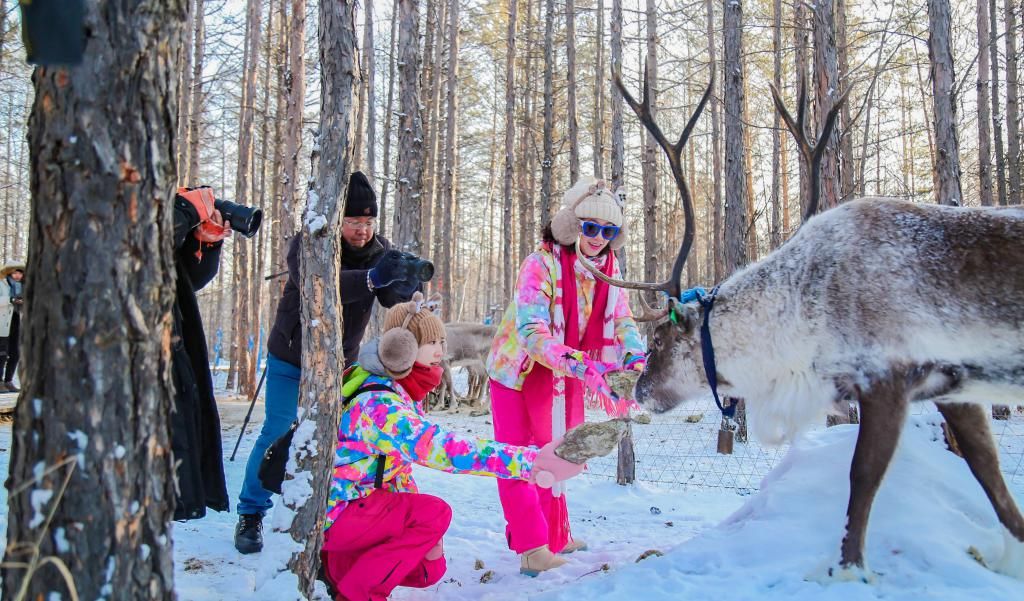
[[370, 270], [199, 232]]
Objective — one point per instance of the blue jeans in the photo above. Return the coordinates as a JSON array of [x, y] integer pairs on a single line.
[[281, 407]]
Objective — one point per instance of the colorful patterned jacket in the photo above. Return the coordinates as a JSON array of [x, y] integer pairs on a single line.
[[392, 424], [526, 336]]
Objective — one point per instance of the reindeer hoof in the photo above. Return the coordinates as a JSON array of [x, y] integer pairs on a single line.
[[827, 574], [1012, 561]]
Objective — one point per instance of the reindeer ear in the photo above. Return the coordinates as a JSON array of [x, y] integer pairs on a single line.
[[685, 316]]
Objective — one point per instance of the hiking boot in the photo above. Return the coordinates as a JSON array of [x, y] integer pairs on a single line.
[[10, 387], [538, 560], [249, 533], [573, 546]]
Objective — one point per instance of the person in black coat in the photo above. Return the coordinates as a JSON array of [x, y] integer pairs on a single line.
[[199, 232], [370, 271]]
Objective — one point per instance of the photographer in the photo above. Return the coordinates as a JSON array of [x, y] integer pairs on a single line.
[[199, 231], [11, 301], [370, 270]]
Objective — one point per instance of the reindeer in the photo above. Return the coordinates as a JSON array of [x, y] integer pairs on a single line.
[[467, 346], [877, 300]]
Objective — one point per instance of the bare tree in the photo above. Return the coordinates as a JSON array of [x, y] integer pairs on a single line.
[[451, 156], [800, 30], [91, 481], [599, 81], [649, 165], [370, 73], [618, 144], [510, 134], [826, 90], [321, 305], [1012, 108], [389, 114], [940, 54], [295, 85], [776, 226], [997, 123], [570, 103], [735, 176], [195, 115], [984, 139], [410, 132], [717, 233], [847, 184], [548, 160]]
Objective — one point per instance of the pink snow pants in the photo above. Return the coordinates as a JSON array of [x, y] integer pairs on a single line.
[[533, 517], [379, 543]]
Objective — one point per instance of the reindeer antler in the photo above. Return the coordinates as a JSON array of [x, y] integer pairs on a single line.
[[811, 153], [650, 313], [674, 153]]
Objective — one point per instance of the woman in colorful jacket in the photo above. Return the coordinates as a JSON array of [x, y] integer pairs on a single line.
[[563, 330], [381, 532]]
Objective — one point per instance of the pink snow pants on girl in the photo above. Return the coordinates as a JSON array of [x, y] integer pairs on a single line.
[[379, 543], [533, 517]]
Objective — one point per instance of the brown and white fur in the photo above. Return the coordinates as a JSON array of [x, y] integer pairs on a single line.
[[877, 300], [466, 345]]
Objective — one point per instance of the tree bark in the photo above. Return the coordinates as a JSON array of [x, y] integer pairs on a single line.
[[801, 79], [618, 144], [984, 123], [1012, 110], [295, 86], [371, 94], [847, 184], [776, 226], [997, 123], [451, 157], [826, 91], [184, 75], [717, 233], [735, 172], [91, 473], [547, 163], [387, 122], [321, 304], [410, 135], [570, 104], [195, 114], [510, 134], [940, 54], [599, 96], [527, 154], [649, 166]]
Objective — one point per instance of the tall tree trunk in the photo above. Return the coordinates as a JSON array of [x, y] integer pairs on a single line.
[[735, 172], [1013, 157], [387, 121], [278, 227], [748, 171], [800, 78], [363, 57], [718, 229], [410, 131], [570, 102], [847, 185], [430, 117], [943, 79], [776, 226], [984, 138], [321, 305], [195, 114], [295, 84], [649, 166], [527, 151], [997, 123], [371, 94], [450, 176], [91, 473], [618, 144], [184, 65], [510, 134], [548, 162], [599, 83], [826, 91]]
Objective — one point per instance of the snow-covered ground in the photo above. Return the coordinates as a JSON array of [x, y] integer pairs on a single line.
[[930, 521]]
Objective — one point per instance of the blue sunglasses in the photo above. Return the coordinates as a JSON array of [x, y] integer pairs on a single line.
[[591, 230]]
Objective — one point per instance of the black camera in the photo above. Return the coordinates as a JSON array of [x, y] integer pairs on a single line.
[[421, 268], [244, 220]]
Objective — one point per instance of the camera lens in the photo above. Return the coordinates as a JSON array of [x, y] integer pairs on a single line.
[[423, 269], [244, 220]]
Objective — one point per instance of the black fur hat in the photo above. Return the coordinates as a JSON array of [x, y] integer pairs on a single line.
[[362, 200]]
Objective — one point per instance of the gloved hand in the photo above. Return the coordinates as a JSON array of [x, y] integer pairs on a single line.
[[389, 269], [212, 227], [549, 468], [592, 373], [636, 363]]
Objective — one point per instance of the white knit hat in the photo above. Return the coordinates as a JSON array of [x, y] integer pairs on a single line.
[[597, 202]]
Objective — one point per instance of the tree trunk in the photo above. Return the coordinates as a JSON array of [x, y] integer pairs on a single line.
[[1012, 112], [826, 91], [184, 65], [570, 103], [618, 144], [321, 305], [547, 163], [776, 226], [984, 139], [526, 142], [718, 250], [195, 115], [943, 79], [997, 123], [847, 185], [801, 79], [431, 119], [450, 176], [387, 122], [735, 172], [599, 84], [279, 228], [370, 74], [295, 85], [91, 472], [649, 166], [410, 131], [364, 57], [510, 134]]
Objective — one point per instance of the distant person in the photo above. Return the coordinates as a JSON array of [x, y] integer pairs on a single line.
[[12, 301], [370, 271]]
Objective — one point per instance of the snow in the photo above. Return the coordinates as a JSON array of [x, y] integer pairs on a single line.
[[930, 520]]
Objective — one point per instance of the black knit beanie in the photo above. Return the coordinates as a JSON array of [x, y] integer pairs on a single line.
[[362, 200]]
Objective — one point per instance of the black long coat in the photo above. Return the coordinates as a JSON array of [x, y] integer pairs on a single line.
[[195, 423], [285, 340]]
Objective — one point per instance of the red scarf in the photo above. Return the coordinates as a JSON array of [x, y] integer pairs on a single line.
[[421, 380]]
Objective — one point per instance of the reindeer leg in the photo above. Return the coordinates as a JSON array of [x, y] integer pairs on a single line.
[[883, 410], [971, 428]]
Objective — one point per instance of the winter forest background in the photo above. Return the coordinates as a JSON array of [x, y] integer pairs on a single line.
[[252, 75]]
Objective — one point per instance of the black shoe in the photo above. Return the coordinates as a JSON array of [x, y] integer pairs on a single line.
[[249, 533]]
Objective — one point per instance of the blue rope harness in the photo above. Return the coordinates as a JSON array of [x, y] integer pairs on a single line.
[[707, 350]]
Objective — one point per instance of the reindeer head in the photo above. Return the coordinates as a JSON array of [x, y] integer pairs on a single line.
[[675, 371]]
